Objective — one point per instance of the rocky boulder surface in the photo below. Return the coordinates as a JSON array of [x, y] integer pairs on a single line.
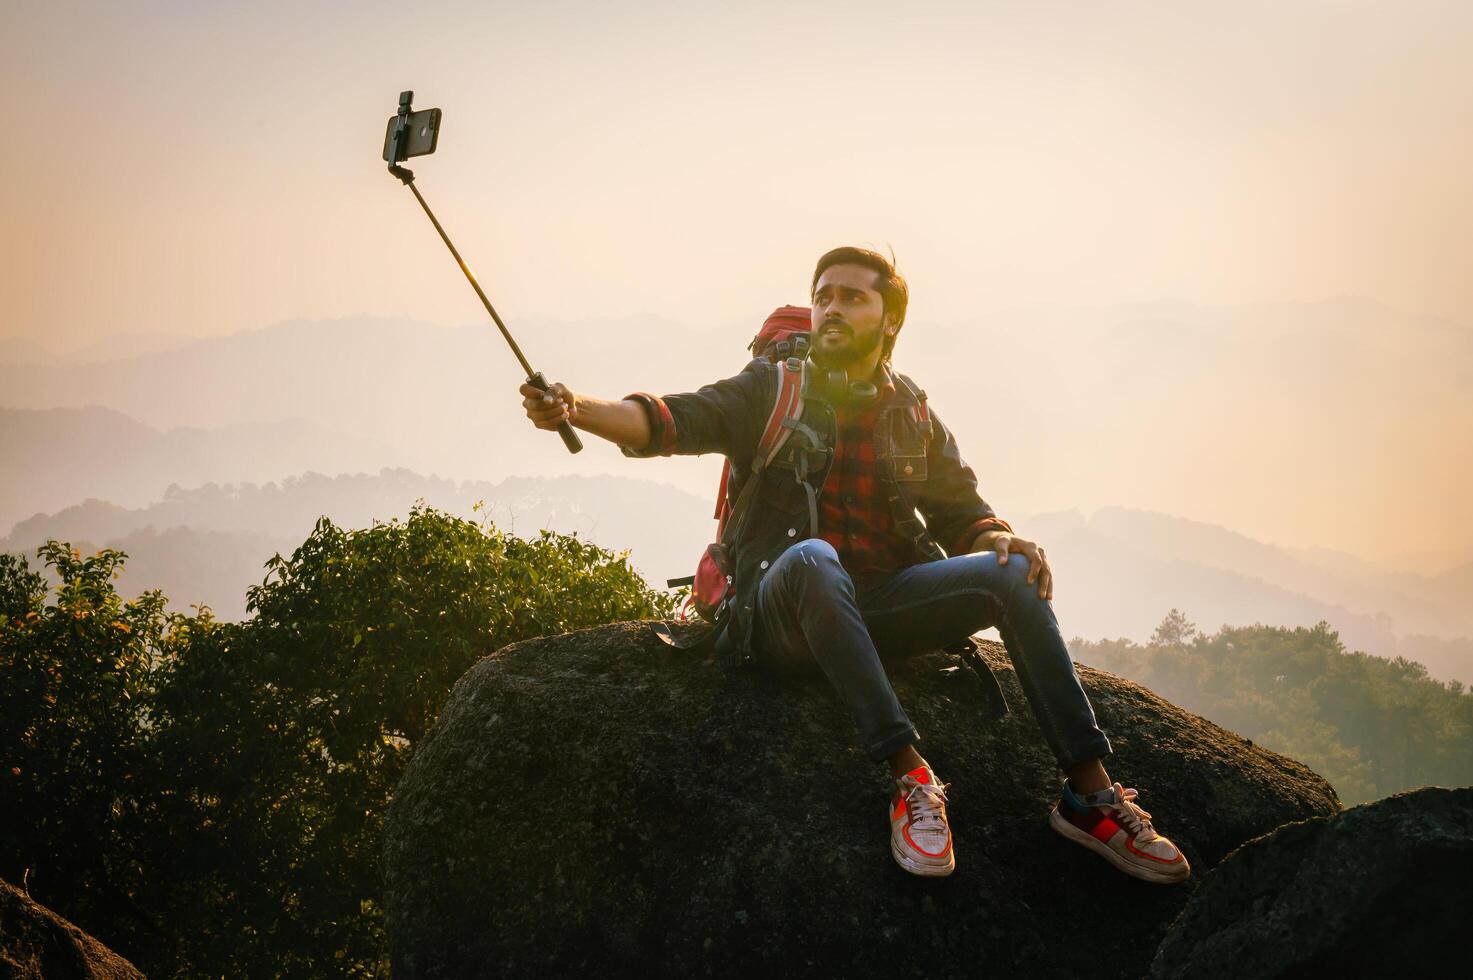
[[1380, 890], [38, 944], [596, 801]]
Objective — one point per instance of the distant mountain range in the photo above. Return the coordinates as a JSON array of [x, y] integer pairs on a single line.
[[15, 351], [1296, 423], [367, 392], [1333, 417], [59, 455], [1118, 570]]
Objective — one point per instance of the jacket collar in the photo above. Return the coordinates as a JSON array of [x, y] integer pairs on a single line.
[[895, 393]]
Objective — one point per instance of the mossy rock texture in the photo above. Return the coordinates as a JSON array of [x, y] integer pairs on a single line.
[[600, 802], [38, 944], [1384, 889]]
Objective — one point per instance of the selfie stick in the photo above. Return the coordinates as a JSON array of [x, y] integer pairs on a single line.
[[534, 378]]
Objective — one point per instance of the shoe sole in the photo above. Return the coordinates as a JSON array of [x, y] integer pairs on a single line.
[[917, 868], [1068, 830]]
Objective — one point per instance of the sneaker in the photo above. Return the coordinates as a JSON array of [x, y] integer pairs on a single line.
[[1121, 832], [920, 837]]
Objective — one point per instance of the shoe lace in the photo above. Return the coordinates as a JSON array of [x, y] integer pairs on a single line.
[[1137, 821], [926, 802]]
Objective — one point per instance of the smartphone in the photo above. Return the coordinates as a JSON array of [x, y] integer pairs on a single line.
[[421, 133]]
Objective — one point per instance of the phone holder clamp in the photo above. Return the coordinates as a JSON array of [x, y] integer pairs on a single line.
[[401, 125]]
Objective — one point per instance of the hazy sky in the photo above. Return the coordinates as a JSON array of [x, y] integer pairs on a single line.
[[205, 168], [210, 167]]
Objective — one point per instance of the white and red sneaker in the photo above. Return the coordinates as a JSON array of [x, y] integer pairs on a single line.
[[920, 837], [1113, 826]]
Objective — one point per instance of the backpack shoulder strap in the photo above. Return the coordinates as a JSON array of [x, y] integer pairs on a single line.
[[787, 409], [787, 404]]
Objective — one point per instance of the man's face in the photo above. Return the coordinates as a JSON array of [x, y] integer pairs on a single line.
[[848, 317]]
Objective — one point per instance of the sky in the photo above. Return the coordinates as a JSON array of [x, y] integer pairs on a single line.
[[203, 169]]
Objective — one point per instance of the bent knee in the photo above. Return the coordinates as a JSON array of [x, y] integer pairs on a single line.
[[1017, 563], [810, 559], [810, 553], [1015, 574]]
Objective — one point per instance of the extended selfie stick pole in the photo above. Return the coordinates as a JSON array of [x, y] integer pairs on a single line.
[[534, 378]]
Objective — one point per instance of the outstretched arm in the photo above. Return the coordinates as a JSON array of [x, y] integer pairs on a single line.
[[720, 417], [623, 422]]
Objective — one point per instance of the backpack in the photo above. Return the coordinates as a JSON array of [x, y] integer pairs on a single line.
[[783, 340]]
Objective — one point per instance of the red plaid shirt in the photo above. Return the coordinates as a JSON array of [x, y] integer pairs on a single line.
[[853, 514]]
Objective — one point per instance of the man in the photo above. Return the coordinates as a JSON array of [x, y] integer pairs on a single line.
[[870, 580]]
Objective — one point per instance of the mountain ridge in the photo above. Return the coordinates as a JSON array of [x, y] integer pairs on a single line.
[[1118, 570]]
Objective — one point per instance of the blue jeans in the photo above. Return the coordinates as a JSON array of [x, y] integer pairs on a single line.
[[811, 615]]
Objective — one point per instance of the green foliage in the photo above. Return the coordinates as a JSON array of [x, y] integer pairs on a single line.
[[1370, 726], [1174, 630], [77, 679], [230, 780]]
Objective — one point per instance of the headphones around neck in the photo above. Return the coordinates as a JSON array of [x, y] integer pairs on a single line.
[[831, 384]]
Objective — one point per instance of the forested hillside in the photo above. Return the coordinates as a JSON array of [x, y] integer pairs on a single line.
[[1370, 726]]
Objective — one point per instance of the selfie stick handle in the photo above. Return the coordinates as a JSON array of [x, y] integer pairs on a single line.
[[534, 378]]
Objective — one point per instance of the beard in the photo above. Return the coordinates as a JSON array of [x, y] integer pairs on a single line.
[[856, 348]]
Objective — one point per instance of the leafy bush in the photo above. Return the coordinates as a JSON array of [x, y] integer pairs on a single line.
[[230, 779], [76, 685]]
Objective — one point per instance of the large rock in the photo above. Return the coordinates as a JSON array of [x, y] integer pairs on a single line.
[[38, 944], [1380, 890], [596, 801]]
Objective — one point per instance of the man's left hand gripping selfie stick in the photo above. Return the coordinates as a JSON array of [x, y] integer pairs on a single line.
[[412, 134]]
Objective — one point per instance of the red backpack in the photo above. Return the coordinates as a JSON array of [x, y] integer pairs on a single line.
[[783, 340]]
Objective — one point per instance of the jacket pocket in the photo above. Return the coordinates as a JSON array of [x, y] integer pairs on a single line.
[[909, 446]]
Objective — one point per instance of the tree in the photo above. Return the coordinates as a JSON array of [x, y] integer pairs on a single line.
[[77, 677], [1174, 630], [356, 641], [1370, 726], [207, 797]]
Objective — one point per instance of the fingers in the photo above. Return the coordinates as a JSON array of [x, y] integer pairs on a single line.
[[1045, 576], [1038, 566], [548, 409], [1001, 545]]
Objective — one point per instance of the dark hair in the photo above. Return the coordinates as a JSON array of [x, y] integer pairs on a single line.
[[890, 284]]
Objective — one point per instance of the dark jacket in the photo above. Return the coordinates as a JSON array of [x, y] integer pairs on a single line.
[[919, 471]]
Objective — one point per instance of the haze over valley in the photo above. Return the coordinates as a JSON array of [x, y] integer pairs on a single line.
[[1168, 456]]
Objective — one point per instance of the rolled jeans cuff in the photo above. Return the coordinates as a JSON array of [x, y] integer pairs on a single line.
[[880, 751], [1098, 748]]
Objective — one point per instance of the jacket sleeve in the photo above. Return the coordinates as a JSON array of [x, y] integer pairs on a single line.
[[955, 513], [720, 417]]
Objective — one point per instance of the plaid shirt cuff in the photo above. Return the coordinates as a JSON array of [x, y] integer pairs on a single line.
[[662, 426], [969, 537]]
